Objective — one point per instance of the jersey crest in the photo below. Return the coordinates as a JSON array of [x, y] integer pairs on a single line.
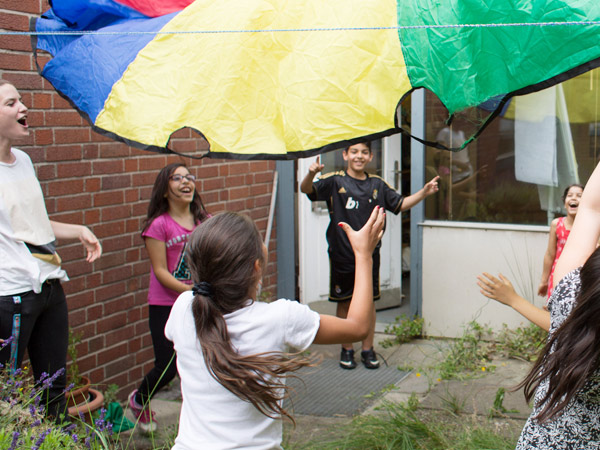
[[375, 193]]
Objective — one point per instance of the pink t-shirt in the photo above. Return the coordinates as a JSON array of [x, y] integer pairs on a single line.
[[175, 237]]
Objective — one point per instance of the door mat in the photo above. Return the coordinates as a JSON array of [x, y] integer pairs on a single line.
[[328, 390]]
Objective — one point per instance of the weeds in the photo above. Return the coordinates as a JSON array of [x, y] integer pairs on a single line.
[[468, 355], [404, 427], [498, 406], [404, 330], [522, 343]]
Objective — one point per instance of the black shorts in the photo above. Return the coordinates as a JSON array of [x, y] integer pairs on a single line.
[[341, 283]]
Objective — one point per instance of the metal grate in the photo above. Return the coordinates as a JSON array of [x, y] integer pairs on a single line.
[[328, 390]]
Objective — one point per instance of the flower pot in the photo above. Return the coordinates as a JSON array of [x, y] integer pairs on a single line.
[[80, 394], [86, 408]]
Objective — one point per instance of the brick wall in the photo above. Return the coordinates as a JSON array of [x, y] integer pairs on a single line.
[[89, 179]]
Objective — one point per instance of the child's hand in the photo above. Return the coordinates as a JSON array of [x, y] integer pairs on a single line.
[[431, 187], [316, 167], [543, 289], [91, 244], [365, 240], [500, 290]]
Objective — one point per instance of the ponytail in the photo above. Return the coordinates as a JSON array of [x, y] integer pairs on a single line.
[[222, 256]]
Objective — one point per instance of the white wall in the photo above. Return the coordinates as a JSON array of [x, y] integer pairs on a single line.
[[454, 253]]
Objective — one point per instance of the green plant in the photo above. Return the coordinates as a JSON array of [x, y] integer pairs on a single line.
[[452, 404], [404, 330], [73, 374], [110, 393], [498, 406], [521, 343], [468, 355]]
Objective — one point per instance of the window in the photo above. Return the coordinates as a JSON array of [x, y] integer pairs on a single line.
[[516, 171]]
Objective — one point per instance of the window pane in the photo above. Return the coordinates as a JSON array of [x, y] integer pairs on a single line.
[[517, 170]]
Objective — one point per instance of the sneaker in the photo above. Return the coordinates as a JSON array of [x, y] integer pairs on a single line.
[[145, 416], [347, 359], [369, 359]]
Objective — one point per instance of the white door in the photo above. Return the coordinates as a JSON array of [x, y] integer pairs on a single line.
[[313, 220]]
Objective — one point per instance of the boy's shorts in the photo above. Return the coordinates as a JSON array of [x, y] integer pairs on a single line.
[[341, 284]]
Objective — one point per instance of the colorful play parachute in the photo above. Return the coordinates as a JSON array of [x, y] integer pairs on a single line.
[[288, 78]]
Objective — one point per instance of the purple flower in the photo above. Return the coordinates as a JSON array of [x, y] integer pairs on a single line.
[[40, 440], [15, 438]]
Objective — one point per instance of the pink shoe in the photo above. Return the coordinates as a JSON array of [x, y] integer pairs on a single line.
[[145, 416]]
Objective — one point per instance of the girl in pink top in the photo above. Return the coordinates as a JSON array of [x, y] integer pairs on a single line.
[[175, 210], [559, 232]]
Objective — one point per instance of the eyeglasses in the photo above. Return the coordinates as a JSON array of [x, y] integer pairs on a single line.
[[177, 178]]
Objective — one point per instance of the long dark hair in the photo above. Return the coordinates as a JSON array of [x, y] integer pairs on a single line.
[[572, 354], [159, 204], [223, 252]]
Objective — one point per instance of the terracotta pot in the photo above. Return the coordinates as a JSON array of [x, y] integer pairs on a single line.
[[80, 394], [87, 407]]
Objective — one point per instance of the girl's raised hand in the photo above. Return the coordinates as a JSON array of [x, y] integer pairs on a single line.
[[500, 290], [365, 240]]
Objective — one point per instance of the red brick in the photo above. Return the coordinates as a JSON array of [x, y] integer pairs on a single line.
[[143, 178], [72, 135], [116, 274], [119, 336], [94, 312], [132, 195], [60, 103], [22, 43], [43, 136], [139, 209], [68, 217], [41, 101], [94, 279], [62, 118], [63, 152], [108, 292], [239, 168], [213, 184], [74, 202], [110, 323], [92, 184], [112, 353], [116, 243], [46, 171], [131, 165], [90, 151], [74, 169], [15, 61], [65, 187], [91, 216], [108, 198], [80, 300], [110, 260], [116, 182], [105, 230], [30, 6], [35, 118], [152, 163], [114, 150], [239, 193], [110, 166]]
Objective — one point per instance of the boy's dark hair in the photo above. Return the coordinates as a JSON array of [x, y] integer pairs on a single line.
[[366, 143], [568, 188], [223, 252], [159, 204]]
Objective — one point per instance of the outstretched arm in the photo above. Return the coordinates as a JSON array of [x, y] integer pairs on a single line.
[[355, 327], [306, 186], [427, 190], [71, 232], [503, 291], [548, 259], [585, 232]]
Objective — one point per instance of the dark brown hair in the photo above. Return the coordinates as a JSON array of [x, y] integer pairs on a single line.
[[572, 353], [159, 204], [366, 143], [568, 188], [223, 252]]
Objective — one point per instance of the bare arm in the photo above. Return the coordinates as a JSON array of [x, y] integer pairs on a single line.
[[585, 231], [355, 327], [86, 237], [503, 291], [427, 190], [157, 251], [307, 183], [548, 259]]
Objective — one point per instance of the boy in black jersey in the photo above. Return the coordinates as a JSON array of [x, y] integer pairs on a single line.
[[351, 196]]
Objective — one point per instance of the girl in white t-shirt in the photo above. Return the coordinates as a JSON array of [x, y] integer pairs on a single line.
[[230, 348], [175, 209]]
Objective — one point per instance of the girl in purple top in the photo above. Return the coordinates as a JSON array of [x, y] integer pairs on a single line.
[[175, 210]]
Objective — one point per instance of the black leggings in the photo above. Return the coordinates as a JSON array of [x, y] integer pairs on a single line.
[[164, 369], [44, 332]]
